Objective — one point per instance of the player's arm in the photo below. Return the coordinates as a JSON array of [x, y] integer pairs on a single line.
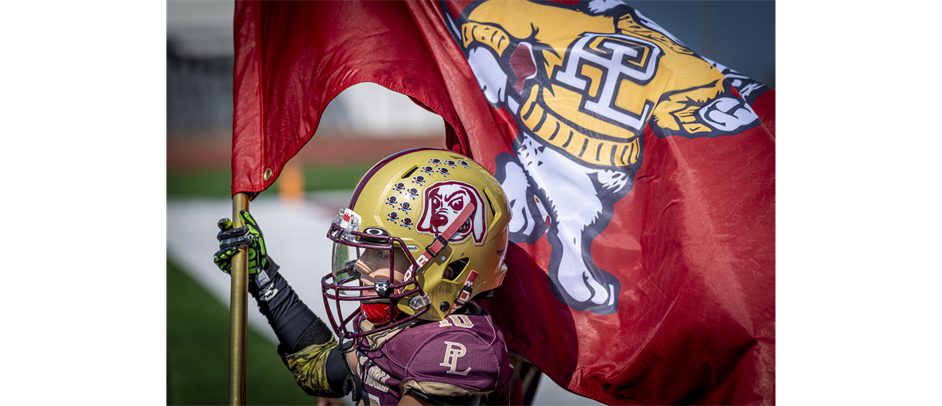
[[305, 343]]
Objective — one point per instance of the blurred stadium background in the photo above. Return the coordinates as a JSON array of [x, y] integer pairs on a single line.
[[362, 125]]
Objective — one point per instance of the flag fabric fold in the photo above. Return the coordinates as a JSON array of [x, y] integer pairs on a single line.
[[640, 175], [293, 58]]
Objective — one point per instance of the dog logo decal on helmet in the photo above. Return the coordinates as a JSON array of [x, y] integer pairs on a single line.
[[443, 202]]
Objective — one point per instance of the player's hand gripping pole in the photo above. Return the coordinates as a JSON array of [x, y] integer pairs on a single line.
[[238, 303]]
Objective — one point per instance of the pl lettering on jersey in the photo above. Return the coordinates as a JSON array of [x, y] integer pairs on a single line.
[[452, 353]]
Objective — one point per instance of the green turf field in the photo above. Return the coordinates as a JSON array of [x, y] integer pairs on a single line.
[[198, 324], [198, 352]]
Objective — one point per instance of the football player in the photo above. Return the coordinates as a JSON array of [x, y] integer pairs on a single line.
[[412, 248]]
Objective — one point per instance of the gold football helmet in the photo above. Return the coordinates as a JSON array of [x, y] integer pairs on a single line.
[[442, 216]]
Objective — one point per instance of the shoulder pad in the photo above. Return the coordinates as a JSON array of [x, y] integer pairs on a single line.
[[465, 351]]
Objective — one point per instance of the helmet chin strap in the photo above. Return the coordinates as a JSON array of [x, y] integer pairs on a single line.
[[380, 313], [441, 240]]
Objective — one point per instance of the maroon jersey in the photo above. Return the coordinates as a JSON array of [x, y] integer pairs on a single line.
[[462, 355]]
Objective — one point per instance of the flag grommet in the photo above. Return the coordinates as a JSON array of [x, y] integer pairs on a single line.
[[268, 174]]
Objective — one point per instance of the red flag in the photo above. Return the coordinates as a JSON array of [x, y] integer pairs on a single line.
[[640, 175], [293, 58]]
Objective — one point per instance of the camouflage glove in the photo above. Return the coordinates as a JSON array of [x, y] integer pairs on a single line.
[[260, 266]]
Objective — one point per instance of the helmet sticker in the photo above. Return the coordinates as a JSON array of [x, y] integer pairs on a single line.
[[443, 202], [428, 170], [407, 223], [420, 180], [393, 217], [391, 200], [444, 172], [406, 207], [349, 221]]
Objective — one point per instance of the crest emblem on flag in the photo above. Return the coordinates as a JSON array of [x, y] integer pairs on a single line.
[[581, 92], [640, 181]]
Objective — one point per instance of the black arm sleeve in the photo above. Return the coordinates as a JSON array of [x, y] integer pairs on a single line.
[[288, 316], [296, 326]]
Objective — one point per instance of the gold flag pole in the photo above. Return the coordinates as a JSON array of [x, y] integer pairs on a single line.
[[238, 303]]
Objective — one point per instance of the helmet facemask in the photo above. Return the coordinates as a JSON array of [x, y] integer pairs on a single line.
[[358, 258]]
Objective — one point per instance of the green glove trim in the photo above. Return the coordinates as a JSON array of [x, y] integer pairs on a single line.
[[249, 236]]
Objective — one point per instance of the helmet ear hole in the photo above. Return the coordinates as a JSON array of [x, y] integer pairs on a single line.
[[456, 268]]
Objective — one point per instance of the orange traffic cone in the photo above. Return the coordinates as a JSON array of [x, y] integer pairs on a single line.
[[291, 183]]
